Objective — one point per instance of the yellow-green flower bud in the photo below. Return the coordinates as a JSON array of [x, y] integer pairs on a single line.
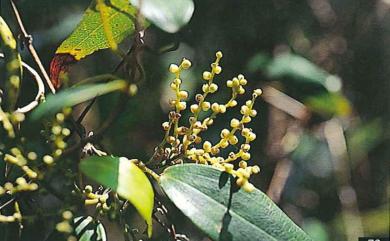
[[229, 83], [206, 106], [186, 64], [258, 92], [205, 88], [217, 69], [183, 94], [207, 75], [213, 88], [225, 133], [215, 107], [48, 159], [233, 140], [246, 156], [219, 54], [173, 68], [234, 123]]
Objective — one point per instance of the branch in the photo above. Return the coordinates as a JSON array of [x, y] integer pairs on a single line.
[[28, 42], [41, 89]]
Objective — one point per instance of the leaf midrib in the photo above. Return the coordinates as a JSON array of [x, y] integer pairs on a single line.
[[231, 211]]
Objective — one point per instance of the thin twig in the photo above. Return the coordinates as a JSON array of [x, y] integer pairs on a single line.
[[28, 42]]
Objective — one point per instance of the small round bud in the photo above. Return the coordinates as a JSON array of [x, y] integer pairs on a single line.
[[232, 103], [207, 75], [246, 156], [228, 167], [215, 107], [213, 88], [234, 123], [214, 150], [258, 92], [165, 126], [48, 159], [183, 94], [67, 215], [173, 86], [245, 132], [32, 156], [224, 143], [194, 108], [206, 106], [186, 64], [60, 117], [252, 136], [243, 164], [245, 147], [225, 133], [182, 106], [65, 132], [56, 130], [173, 68], [233, 140], [246, 119], [199, 97], [243, 81], [205, 88], [88, 189], [133, 89], [219, 54], [217, 69], [229, 83], [236, 82], [253, 113], [207, 146], [222, 108]]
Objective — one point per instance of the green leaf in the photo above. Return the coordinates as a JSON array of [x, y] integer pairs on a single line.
[[124, 177], [74, 96], [89, 35], [89, 229], [224, 212], [11, 70], [170, 16], [294, 67]]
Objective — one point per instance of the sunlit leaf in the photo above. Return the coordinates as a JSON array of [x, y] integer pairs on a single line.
[[210, 199], [74, 96], [170, 16], [124, 177], [89, 35]]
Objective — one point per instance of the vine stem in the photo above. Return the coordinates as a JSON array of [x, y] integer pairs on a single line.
[[28, 42]]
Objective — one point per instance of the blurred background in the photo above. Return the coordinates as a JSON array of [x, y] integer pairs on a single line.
[[323, 126]]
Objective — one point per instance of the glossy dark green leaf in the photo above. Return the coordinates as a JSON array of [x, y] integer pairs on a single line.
[[224, 212], [74, 96], [124, 177], [170, 16]]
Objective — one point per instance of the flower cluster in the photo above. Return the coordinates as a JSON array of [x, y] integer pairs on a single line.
[[186, 141], [100, 200]]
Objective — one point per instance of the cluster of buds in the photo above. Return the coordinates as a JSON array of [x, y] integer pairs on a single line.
[[9, 120], [59, 133], [17, 158], [100, 200], [21, 186], [186, 141], [65, 226], [15, 217]]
